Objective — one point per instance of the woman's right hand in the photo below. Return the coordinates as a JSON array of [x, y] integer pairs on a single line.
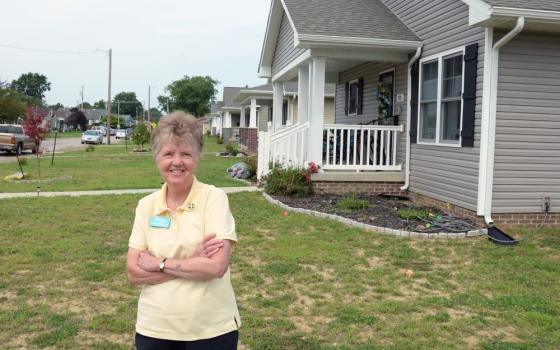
[[208, 247]]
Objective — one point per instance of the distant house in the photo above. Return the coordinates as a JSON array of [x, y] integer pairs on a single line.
[[453, 102]]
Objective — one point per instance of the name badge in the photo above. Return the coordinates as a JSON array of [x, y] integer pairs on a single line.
[[160, 222]]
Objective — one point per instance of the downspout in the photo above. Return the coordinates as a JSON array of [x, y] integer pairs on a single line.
[[409, 87], [491, 140]]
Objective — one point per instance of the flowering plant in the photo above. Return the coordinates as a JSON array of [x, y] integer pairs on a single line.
[[312, 167]]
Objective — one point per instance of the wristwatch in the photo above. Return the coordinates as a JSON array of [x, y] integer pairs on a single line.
[[162, 264]]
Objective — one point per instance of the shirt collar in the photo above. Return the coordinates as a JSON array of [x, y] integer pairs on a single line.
[[161, 206]]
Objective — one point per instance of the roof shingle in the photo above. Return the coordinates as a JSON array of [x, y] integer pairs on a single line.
[[348, 18]]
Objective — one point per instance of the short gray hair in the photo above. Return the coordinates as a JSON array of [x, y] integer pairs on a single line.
[[178, 126]]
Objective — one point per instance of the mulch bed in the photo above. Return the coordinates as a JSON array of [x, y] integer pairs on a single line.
[[382, 211]]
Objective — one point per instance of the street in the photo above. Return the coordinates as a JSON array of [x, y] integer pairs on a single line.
[[62, 144]]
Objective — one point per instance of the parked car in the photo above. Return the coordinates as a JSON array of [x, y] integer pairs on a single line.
[[92, 136], [13, 139], [100, 128], [113, 132], [122, 134]]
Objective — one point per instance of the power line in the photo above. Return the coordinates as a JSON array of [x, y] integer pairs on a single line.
[[48, 51]]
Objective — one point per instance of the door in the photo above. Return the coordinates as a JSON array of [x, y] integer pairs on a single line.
[[386, 94]]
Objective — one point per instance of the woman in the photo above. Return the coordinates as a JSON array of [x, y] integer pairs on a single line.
[[179, 250]]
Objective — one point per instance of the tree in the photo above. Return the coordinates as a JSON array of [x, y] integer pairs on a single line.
[[140, 135], [11, 106], [191, 94], [56, 106], [126, 103], [114, 121], [32, 85], [155, 114], [34, 129], [87, 105], [99, 104], [77, 118]]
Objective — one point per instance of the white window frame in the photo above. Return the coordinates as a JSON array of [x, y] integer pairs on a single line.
[[439, 58], [357, 82]]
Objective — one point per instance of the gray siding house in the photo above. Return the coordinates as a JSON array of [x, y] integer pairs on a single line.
[[456, 102]]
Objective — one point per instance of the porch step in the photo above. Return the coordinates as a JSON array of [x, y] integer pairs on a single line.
[[366, 176]]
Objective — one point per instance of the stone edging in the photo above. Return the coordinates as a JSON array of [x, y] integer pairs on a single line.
[[385, 230]]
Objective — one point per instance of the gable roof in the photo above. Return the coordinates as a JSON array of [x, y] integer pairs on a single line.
[[359, 24], [347, 18], [229, 93]]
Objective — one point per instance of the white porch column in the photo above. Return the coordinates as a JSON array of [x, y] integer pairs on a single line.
[[317, 103], [303, 94], [253, 115], [227, 119], [277, 100], [242, 117]]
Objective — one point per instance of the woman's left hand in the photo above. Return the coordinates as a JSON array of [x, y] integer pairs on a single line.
[[148, 262]]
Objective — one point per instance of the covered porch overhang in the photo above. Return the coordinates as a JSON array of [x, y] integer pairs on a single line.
[[335, 147]]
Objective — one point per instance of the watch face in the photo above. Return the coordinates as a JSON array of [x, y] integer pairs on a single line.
[[161, 265]]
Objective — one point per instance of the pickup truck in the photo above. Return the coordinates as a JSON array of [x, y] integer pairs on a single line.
[[13, 139]]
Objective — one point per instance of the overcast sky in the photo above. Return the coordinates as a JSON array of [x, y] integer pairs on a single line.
[[153, 42]]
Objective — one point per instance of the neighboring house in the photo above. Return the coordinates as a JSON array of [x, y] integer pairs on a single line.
[[455, 102], [94, 115], [230, 112], [205, 123], [256, 110], [215, 118]]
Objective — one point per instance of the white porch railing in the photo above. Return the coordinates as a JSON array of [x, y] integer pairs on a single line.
[[287, 146], [360, 147], [345, 147]]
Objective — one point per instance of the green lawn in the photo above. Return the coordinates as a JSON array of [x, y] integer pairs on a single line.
[[65, 135], [301, 282], [109, 167]]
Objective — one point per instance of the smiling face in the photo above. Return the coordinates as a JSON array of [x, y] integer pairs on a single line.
[[176, 161]]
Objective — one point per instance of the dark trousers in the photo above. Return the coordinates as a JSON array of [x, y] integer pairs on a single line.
[[226, 341]]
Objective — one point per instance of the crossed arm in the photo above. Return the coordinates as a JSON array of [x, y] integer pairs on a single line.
[[210, 260]]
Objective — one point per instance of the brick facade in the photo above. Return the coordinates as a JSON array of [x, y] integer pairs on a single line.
[[530, 220], [392, 188], [248, 137]]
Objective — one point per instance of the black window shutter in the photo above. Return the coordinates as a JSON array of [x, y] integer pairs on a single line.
[[360, 95], [346, 98], [414, 79], [469, 95]]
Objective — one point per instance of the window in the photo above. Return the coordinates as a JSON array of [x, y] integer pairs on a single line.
[[353, 93], [441, 87], [285, 113]]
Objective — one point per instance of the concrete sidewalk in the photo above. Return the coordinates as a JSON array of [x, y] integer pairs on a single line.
[[106, 192]]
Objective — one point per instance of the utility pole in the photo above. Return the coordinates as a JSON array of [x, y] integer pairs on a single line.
[[109, 100], [118, 114], [82, 94]]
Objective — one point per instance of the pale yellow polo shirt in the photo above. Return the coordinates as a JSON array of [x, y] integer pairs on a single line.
[[182, 309]]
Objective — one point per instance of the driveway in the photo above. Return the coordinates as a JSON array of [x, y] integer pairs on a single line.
[[62, 144]]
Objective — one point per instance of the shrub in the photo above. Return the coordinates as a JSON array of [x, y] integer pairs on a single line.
[[287, 181], [141, 135], [90, 148], [351, 202], [252, 164], [414, 213], [220, 140], [232, 149]]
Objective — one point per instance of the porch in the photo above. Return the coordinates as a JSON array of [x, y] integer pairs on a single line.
[[345, 150]]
